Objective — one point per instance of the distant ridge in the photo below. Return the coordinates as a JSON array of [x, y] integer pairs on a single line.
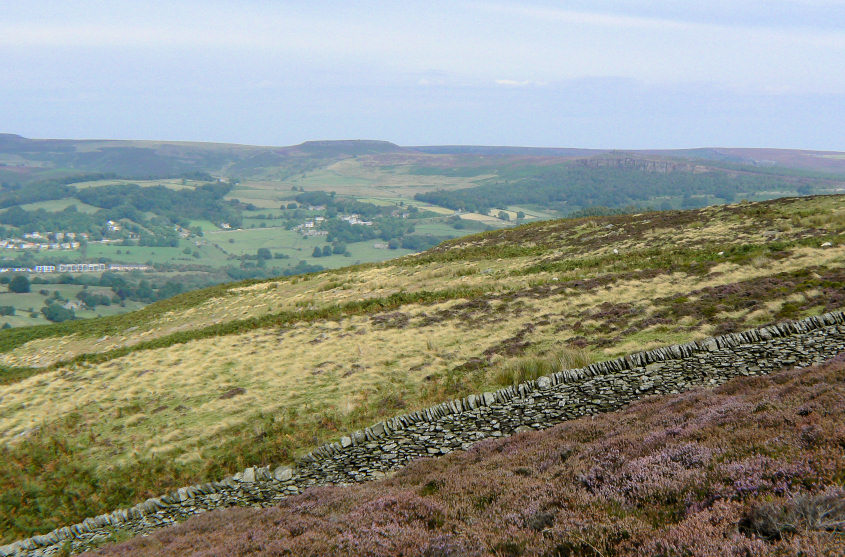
[[348, 146], [28, 160], [507, 150]]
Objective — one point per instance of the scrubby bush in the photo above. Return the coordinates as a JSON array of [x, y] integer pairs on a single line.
[[19, 284], [824, 512], [57, 313]]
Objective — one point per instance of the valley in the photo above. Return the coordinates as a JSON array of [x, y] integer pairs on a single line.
[[172, 217], [471, 279]]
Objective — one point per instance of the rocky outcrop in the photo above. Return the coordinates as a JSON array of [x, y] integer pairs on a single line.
[[629, 162], [457, 424]]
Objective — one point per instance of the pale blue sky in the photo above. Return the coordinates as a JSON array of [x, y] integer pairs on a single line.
[[622, 74]]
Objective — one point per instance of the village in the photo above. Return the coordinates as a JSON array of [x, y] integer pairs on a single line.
[[78, 268], [311, 227], [40, 241], [44, 241]]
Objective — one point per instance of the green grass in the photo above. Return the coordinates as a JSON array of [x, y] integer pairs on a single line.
[[205, 225], [297, 247], [364, 252], [56, 205], [139, 254], [172, 183], [438, 229], [248, 241], [533, 212], [326, 179], [383, 201], [495, 292], [34, 299], [527, 368]]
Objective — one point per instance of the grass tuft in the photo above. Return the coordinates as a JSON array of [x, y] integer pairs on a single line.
[[527, 368]]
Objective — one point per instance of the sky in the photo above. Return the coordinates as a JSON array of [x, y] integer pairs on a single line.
[[593, 73]]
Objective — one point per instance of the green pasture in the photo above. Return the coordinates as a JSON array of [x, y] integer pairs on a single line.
[[205, 225], [384, 201], [362, 252], [247, 241], [34, 301], [139, 254], [274, 211], [438, 229], [172, 183], [532, 212], [297, 247], [329, 180], [257, 223], [56, 205], [263, 195]]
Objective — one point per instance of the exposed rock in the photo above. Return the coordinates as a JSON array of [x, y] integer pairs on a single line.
[[283, 473]]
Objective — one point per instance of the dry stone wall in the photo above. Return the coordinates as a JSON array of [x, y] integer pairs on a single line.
[[458, 424]]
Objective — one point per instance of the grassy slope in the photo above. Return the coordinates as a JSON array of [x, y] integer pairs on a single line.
[[700, 473], [102, 413]]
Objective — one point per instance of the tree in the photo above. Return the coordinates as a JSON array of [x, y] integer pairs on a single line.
[[264, 253], [327, 251], [520, 215], [504, 216], [170, 288], [19, 284], [144, 292], [317, 252], [57, 313]]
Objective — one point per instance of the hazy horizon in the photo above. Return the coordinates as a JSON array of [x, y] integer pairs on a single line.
[[610, 74], [428, 145]]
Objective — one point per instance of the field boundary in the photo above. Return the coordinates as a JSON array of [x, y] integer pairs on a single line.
[[458, 424]]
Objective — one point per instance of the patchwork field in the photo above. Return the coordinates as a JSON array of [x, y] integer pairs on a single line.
[[125, 407], [28, 306], [378, 177]]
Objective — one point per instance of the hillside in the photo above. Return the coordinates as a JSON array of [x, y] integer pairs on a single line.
[[102, 413], [170, 217], [753, 467], [25, 159]]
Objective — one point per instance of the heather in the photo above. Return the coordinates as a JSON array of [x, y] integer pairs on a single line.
[[107, 413], [754, 467]]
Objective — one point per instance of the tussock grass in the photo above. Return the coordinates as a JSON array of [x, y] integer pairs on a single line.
[[706, 472], [204, 384], [526, 368]]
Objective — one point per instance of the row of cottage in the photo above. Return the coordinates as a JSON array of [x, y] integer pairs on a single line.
[[76, 268], [17, 244]]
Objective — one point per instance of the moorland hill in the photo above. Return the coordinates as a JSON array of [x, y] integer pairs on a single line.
[[752, 467], [99, 414]]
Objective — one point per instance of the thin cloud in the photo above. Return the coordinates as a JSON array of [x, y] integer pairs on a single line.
[[516, 83], [662, 24]]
